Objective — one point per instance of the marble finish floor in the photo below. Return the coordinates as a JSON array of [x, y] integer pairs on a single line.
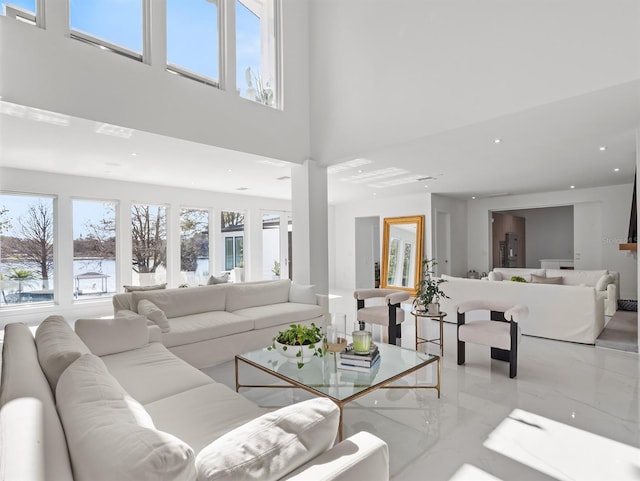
[[573, 412]]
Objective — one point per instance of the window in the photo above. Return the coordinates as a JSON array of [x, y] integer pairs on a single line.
[[192, 38], [94, 249], [194, 246], [232, 225], [26, 249], [149, 244], [110, 24], [256, 50], [22, 10]]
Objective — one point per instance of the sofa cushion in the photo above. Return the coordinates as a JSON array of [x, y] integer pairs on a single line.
[[201, 415], [546, 280], [302, 294], [153, 287], [273, 445], [207, 325], [603, 282], [241, 296], [152, 372], [278, 314], [508, 272], [110, 435], [154, 314], [28, 417], [579, 276], [107, 336], [494, 276], [223, 279], [183, 302], [58, 346]]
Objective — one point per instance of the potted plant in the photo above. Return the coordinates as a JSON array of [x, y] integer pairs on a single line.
[[276, 269], [429, 292], [299, 343]]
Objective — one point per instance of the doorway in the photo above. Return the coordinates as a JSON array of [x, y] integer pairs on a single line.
[[276, 251], [442, 247]]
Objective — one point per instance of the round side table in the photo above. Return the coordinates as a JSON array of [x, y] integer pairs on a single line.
[[439, 341]]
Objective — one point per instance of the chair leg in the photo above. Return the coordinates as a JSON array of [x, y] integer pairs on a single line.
[[461, 350], [391, 334], [513, 353]]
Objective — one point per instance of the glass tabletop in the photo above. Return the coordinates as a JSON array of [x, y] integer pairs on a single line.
[[325, 377]]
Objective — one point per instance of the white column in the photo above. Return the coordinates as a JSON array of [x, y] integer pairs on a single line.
[[155, 34], [173, 245], [63, 260], [310, 224], [56, 15], [253, 245]]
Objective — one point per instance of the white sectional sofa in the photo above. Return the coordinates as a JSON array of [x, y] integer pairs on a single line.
[[606, 283], [112, 404], [209, 325], [573, 311]]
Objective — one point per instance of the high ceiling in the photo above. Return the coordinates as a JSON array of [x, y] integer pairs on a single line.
[[403, 104]]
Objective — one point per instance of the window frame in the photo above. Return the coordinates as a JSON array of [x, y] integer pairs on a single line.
[[103, 44], [25, 16]]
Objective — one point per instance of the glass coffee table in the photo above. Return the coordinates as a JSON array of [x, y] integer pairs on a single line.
[[322, 377]]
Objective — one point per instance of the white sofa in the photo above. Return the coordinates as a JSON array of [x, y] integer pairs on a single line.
[[120, 406], [209, 325], [606, 283], [564, 312]]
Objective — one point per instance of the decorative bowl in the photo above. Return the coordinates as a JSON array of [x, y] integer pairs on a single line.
[[291, 353]]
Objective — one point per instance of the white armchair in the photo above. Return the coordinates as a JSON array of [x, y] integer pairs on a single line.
[[390, 314]]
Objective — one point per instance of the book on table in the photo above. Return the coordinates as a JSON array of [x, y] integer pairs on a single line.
[[351, 367], [362, 362], [349, 353]]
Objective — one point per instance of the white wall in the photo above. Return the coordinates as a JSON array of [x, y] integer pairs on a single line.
[[548, 233], [601, 222], [66, 188], [46, 69]]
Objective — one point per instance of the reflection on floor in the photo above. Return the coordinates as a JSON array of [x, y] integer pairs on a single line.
[[621, 332], [589, 396]]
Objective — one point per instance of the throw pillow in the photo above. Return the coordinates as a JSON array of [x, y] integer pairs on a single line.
[[603, 282], [302, 294], [494, 276], [154, 313], [546, 280], [272, 445], [223, 279], [145, 288], [125, 332], [110, 435], [58, 346]]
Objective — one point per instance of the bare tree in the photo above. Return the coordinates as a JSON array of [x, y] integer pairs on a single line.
[[148, 238], [194, 238], [232, 221], [36, 227], [5, 222]]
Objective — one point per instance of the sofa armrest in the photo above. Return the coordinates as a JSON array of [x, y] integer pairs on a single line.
[[361, 456], [611, 300], [323, 301]]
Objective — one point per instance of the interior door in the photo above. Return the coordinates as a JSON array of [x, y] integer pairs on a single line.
[[276, 228], [443, 243]]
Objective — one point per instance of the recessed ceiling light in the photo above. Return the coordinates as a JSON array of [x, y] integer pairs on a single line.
[[603, 147], [474, 197], [616, 170], [134, 154], [497, 141], [572, 187], [360, 171], [229, 171], [375, 193], [426, 186]]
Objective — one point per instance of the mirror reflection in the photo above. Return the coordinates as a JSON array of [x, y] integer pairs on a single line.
[[402, 252]]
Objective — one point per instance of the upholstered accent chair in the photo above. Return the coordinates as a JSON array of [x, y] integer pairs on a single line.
[[389, 314], [500, 332]]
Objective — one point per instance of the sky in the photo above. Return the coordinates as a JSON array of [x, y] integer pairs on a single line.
[[192, 40]]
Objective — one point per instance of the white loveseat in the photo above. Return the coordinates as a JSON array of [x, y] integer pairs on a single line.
[[209, 325], [606, 283], [120, 406], [564, 312]]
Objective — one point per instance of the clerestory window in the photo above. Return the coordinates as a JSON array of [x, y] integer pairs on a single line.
[[115, 25], [25, 11]]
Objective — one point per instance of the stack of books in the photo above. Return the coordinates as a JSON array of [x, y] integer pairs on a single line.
[[359, 362]]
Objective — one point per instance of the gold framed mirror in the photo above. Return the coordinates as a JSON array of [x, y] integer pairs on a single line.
[[401, 265]]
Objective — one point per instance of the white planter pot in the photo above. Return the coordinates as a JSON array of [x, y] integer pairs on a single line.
[[291, 352], [433, 309]]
